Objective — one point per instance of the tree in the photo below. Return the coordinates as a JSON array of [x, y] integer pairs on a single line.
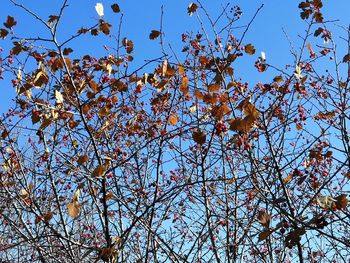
[[177, 160]]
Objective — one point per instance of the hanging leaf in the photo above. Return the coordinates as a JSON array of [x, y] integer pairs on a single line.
[[342, 201], [199, 136], [278, 78], [346, 58], [249, 49], [10, 22], [115, 8], [264, 218], [3, 33], [326, 202], [82, 159], [173, 120], [59, 97], [154, 34], [99, 9], [192, 8], [264, 235], [105, 27], [214, 87], [99, 171]]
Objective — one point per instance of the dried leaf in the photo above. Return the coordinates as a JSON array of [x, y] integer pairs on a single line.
[[249, 49], [199, 136], [115, 8], [278, 78], [192, 8], [82, 159], [264, 235], [264, 218], [3, 33], [99, 171], [73, 209], [10, 22], [342, 201], [346, 58], [214, 87], [154, 34]]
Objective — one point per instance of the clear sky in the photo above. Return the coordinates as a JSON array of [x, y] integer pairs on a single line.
[[140, 17]]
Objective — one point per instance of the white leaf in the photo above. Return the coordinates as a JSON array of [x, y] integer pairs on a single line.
[[297, 73], [325, 201], [99, 9], [59, 97]]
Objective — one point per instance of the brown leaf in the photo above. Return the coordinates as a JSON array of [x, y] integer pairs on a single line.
[[346, 58], [10, 22], [192, 8], [342, 201], [73, 209], [67, 51], [82, 159], [199, 136], [264, 235], [99, 171], [214, 87], [154, 34], [104, 111], [105, 27], [241, 125], [3, 33], [52, 19], [249, 49], [278, 78], [264, 218], [115, 8]]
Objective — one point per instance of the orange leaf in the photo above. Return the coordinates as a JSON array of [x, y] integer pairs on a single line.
[[198, 95], [104, 111], [173, 120], [73, 209]]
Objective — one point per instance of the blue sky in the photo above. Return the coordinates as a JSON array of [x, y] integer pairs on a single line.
[[140, 17]]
